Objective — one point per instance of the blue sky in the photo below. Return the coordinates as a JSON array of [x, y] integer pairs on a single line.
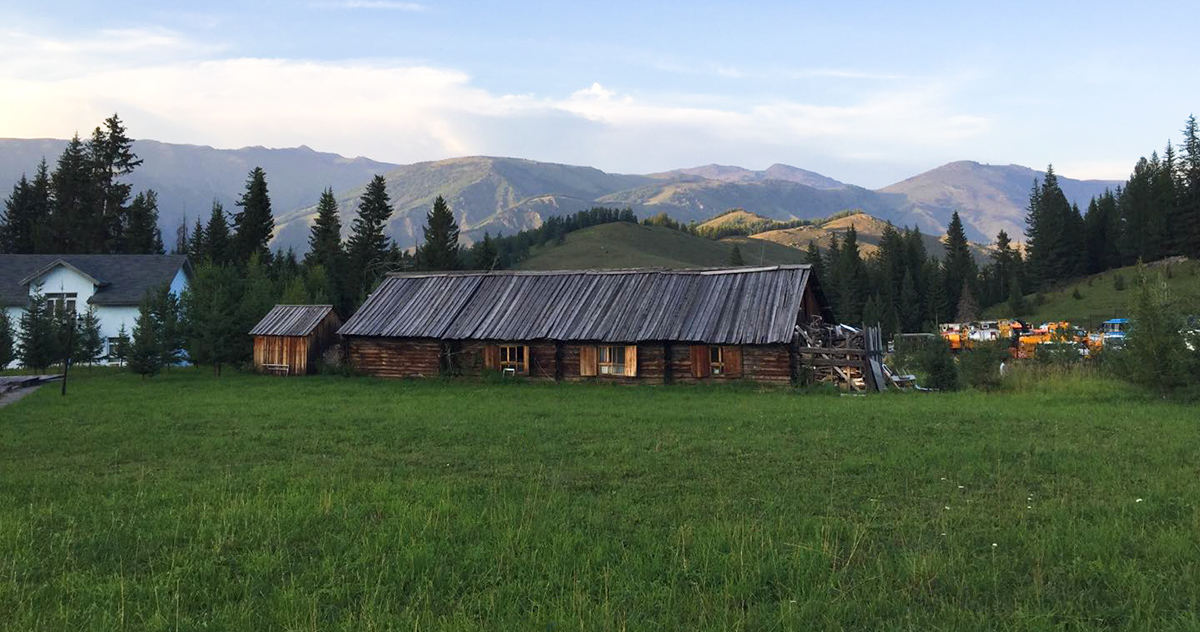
[[865, 92]]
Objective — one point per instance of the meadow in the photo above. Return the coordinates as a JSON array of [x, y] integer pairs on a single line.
[[188, 502]]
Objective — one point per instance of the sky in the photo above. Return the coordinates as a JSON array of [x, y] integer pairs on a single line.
[[865, 92]]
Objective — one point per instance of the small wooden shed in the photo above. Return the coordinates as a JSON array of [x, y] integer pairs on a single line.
[[290, 339]]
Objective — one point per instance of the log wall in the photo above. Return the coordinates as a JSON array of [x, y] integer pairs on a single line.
[[408, 358], [389, 357]]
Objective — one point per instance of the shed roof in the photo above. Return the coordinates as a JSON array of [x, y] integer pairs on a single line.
[[748, 305], [291, 320], [120, 279]]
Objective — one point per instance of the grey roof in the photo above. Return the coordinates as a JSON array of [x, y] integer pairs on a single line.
[[717, 306], [291, 320], [123, 279]]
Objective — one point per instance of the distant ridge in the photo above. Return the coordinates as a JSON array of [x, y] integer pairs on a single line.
[[505, 195]]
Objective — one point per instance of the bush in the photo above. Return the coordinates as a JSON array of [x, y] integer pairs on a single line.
[[1076, 295], [980, 366], [938, 366], [1156, 353]]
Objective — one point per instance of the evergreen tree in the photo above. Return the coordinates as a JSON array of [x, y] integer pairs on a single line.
[[111, 154], [831, 282], [217, 242], [812, 256], [937, 305], [735, 257], [1017, 305], [210, 307], [484, 253], [120, 350], [318, 286], [959, 265], [440, 250], [872, 311], [171, 331], [90, 344], [967, 310], [7, 335], [1187, 214], [197, 246], [295, 293], [145, 351], [325, 249], [1102, 233], [254, 223], [183, 240], [142, 235], [258, 296], [849, 278], [910, 304], [36, 334], [76, 226], [367, 248], [1155, 353], [1033, 236]]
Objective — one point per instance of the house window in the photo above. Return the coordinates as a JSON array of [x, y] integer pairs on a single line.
[[611, 360], [716, 360], [512, 358], [61, 301], [115, 348]]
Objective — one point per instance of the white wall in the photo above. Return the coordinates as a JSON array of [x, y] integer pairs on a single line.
[[65, 280]]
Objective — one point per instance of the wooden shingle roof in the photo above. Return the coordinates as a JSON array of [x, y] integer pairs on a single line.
[[716, 306], [291, 320]]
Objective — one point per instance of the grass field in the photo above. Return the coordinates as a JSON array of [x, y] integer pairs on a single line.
[[187, 502], [1099, 300], [626, 245]]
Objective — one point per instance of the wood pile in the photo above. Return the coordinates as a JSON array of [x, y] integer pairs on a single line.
[[843, 355]]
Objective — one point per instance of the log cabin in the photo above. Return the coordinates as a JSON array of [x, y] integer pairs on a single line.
[[290, 339], [636, 325]]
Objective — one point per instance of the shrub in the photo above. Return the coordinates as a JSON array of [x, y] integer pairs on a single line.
[[980, 366], [937, 363], [1076, 295], [1156, 353]]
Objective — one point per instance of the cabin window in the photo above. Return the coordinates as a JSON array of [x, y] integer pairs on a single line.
[[115, 349], [61, 301], [612, 360], [513, 358], [716, 360]]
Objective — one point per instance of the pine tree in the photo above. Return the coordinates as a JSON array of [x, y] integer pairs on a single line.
[[254, 223], [183, 240], [120, 350], [910, 304], [1017, 305], [217, 242], [142, 235], [295, 293], [872, 311], [7, 350], [440, 250], [484, 253], [849, 278], [959, 265], [1033, 229], [258, 296], [145, 352], [318, 286], [90, 344], [735, 257], [325, 249], [967, 310], [171, 331], [1155, 354], [812, 256], [36, 337], [197, 246], [76, 225], [111, 153], [210, 307], [367, 248], [1187, 215]]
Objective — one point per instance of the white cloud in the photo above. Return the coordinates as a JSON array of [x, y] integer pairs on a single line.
[[403, 111]]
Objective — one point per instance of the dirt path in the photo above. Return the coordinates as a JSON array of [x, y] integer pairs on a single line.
[[13, 396]]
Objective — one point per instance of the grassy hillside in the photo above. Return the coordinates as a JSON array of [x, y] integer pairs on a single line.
[[187, 502], [870, 233], [625, 245], [1100, 300]]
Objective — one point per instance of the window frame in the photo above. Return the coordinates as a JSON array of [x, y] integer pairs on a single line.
[[514, 357], [716, 360], [65, 301], [610, 367]]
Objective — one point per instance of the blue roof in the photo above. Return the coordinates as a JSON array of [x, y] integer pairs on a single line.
[[1117, 321]]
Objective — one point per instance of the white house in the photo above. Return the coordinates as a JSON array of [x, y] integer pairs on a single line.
[[113, 284]]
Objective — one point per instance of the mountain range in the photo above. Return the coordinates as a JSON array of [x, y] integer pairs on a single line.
[[504, 195]]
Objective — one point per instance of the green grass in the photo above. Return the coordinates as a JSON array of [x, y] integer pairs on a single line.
[[1100, 300], [253, 503], [626, 245]]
